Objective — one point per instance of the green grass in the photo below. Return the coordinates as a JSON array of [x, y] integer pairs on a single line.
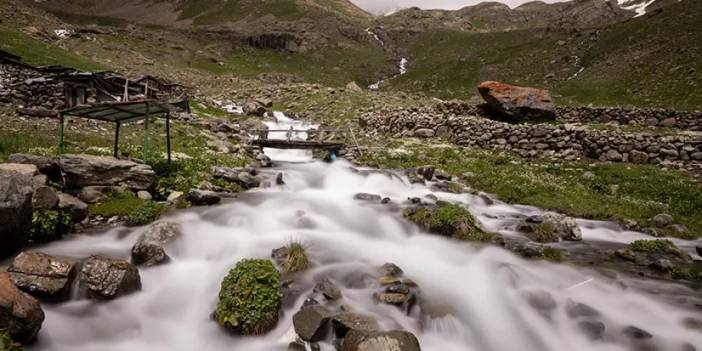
[[79, 19], [39, 53], [644, 191], [646, 61], [215, 12], [330, 66], [651, 246], [250, 297], [296, 258], [449, 220], [553, 254], [126, 204]]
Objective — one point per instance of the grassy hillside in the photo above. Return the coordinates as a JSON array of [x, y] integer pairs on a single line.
[[36, 52], [654, 60]]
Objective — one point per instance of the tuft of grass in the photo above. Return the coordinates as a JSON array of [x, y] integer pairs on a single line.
[[295, 258], [553, 254], [250, 298], [652, 246], [145, 213], [644, 190], [449, 220], [693, 273], [6, 343]]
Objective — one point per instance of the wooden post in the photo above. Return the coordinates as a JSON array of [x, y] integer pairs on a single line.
[[60, 133], [168, 135], [118, 124], [146, 134]]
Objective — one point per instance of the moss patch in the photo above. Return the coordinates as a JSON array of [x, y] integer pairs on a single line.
[[126, 204], [6, 343], [553, 254], [448, 219], [693, 273], [145, 213], [544, 232], [250, 298], [652, 246]]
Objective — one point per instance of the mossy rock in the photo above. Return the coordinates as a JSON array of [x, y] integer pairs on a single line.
[[658, 247], [250, 298], [291, 258], [7, 344], [447, 219]]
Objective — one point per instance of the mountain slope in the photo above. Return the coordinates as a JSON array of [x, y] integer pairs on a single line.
[[652, 60]]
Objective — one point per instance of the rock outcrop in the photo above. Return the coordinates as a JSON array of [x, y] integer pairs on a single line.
[[16, 190], [20, 314], [518, 102], [103, 278], [43, 276], [150, 248], [85, 170]]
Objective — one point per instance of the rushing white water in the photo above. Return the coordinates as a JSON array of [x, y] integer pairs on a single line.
[[475, 297]]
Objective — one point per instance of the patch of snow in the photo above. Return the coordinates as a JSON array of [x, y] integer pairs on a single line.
[[639, 8], [63, 33]]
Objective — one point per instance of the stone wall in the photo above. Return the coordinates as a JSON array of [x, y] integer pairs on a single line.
[[29, 88], [567, 141]]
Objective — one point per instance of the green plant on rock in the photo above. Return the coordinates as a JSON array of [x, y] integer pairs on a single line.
[[553, 254], [687, 273], [48, 225], [250, 298], [145, 213], [295, 259], [6, 343], [448, 219], [544, 232], [651, 246]]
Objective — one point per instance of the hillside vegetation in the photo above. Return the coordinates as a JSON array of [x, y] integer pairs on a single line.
[[652, 60]]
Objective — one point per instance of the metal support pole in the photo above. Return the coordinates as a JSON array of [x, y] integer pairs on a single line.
[[118, 124], [168, 135], [146, 135], [60, 133]]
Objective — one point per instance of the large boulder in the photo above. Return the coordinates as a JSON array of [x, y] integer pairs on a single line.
[[345, 322], [16, 190], [43, 276], [78, 210], [44, 198], [447, 219], [149, 249], [85, 170], [518, 102], [20, 314], [550, 227], [396, 340], [103, 278], [250, 298], [45, 165]]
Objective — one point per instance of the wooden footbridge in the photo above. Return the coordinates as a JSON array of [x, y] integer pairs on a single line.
[[331, 140]]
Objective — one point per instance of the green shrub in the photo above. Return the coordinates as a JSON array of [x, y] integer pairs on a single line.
[[145, 213], [6, 343], [250, 298], [48, 225], [652, 246]]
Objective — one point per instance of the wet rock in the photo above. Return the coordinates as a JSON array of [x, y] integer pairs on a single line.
[[328, 289], [312, 323], [45, 165], [86, 170], [357, 340], [389, 280], [540, 300], [264, 161], [391, 269], [385, 200], [517, 102], [279, 179], [78, 210], [594, 330], [44, 198], [240, 176], [344, 322], [662, 220], [427, 172], [550, 227], [577, 310], [414, 177], [20, 314], [367, 197], [199, 197], [635, 333], [699, 250], [149, 250], [254, 108], [301, 345], [104, 278], [43, 276], [397, 299], [16, 190]]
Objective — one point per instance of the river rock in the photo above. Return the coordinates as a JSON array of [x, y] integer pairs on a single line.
[[636, 333], [86, 170], [42, 275], [662, 220], [149, 250], [518, 102], [577, 310], [391, 269], [312, 323], [254, 108], [241, 176], [44, 198], [264, 161], [594, 330], [45, 165], [328, 289], [279, 179], [16, 189], [699, 250], [550, 227], [203, 197], [344, 322], [73, 206], [20, 314], [367, 197], [105, 278], [396, 340]]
